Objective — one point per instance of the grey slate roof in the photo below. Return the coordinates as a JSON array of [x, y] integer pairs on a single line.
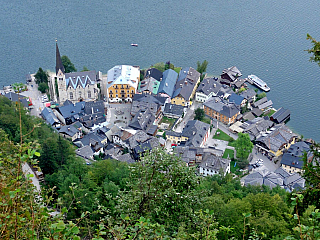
[[281, 115], [59, 64], [144, 101], [259, 102], [49, 116], [279, 135], [186, 82], [72, 109], [195, 131], [209, 85], [231, 73], [69, 130], [154, 73], [173, 109], [14, 97], [248, 116], [81, 79], [222, 106], [256, 127], [85, 152], [265, 105], [168, 82], [293, 157], [126, 158], [212, 162], [235, 98], [149, 84], [277, 178], [142, 120], [257, 112], [94, 107], [248, 94]]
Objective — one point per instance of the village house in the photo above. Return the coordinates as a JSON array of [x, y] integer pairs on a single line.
[[280, 116], [249, 95], [25, 101], [75, 86], [173, 111], [168, 83], [194, 134], [185, 87], [229, 75], [70, 132], [257, 127], [153, 73], [148, 86], [222, 110], [212, 165], [48, 115], [144, 120], [292, 160], [190, 155], [237, 99], [122, 83], [208, 87], [148, 101], [278, 139]]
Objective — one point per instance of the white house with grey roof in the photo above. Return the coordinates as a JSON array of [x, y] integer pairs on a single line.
[[208, 87], [212, 165]]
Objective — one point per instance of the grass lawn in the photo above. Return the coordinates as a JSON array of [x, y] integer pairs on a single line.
[[270, 113], [170, 121], [177, 69], [228, 152], [206, 120], [221, 136], [233, 168]]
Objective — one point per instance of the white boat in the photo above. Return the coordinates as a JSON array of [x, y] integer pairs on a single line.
[[134, 44], [259, 83]]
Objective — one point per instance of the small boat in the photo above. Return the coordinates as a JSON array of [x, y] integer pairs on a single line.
[[134, 44], [259, 83]]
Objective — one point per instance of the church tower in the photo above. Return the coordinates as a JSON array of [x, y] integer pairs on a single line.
[[60, 80]]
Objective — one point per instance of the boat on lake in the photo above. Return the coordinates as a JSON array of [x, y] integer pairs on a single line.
[[259, 83], [134, 44]]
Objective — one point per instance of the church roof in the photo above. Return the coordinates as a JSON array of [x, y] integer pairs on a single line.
[[82, 79], [59, 64]]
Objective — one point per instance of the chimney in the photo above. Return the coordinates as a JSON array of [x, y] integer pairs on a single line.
[[186, 82], [68, 128], [214, 85]]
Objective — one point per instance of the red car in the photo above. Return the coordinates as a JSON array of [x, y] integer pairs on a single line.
[[173, 144]]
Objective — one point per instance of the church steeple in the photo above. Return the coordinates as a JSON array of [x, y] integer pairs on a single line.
[[59, 65]]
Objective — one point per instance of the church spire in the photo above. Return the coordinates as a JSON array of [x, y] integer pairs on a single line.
[[59, 65]]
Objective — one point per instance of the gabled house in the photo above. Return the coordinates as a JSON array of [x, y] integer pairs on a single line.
[[144, 120], [48, 115], [212, 165], [278, 139], [149, 86], [185, 87], [70, 132], [70, 113], [231, 74], [208, 87], [237, 99], [167, 85], [194, 134], [14, 97], [257, 127], [249, 95], [190, 155], [292, 160], [280, 116], [173, 111], [122, 83], [85, 152], [147, 101], [93, 140], [259, 102], [153, 73], [222, 110]]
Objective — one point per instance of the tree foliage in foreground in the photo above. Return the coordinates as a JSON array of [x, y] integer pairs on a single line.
[[315, 50]]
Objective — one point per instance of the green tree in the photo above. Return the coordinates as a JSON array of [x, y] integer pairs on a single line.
[[68, 65], [202, 68], [85, 69], [41, 76], [260, 96], [43, 87], [315, 50], [160, 66], [243, 146], [199, 114]]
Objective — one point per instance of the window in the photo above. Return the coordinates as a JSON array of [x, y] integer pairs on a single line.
[[71, 95], [128, 95], [131, 91], [79, 93], [116, 91], [128, 91], [116, 95], [89, 94]]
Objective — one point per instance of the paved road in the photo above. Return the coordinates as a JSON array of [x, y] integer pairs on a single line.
[[27, 170], [267, 164], [35, 96], [121, 120]]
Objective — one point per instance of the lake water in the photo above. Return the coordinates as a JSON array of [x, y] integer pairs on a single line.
[[265, 38]]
